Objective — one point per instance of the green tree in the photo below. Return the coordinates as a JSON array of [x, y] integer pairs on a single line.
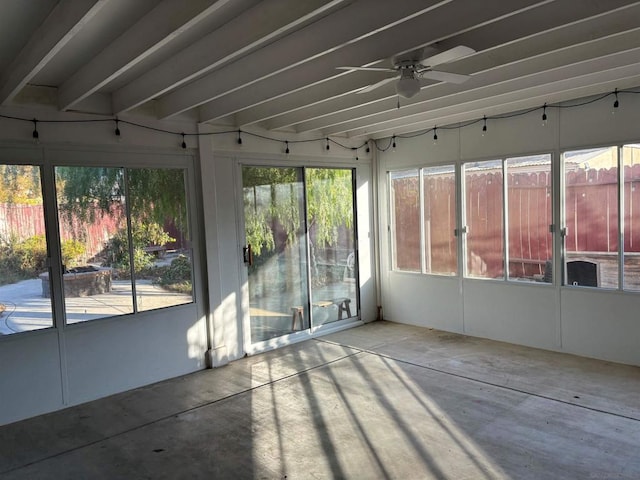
[[329, 203], [20, 184], [154, 194]]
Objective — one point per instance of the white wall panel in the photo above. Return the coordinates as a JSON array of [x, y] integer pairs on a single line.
[[421, 150], [364, 195], [516, 313], [229, 253], [30, 381], [425, 301], [600, 124], [601, 324], [113, 355], [524, 134]]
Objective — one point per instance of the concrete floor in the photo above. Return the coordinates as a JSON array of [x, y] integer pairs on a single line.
[[378, 401]]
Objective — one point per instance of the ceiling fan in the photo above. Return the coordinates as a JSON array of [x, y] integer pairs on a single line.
[[409, 68]]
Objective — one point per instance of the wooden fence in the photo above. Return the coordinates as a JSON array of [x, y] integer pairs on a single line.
[[591, 206], [24, 221]]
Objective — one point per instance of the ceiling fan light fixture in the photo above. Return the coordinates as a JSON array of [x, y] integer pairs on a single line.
[[407, 86]]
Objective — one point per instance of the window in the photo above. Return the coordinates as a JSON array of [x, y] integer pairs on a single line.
[[528, 207], [423, 220], [529, 204], [631, 206], [439, 207], [161, 239], [483, 189], [25, 286], [124, 240], [600, 238], [591, 217], [405, 220]]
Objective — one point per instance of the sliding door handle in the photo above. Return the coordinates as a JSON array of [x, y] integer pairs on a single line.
[[247, 256]]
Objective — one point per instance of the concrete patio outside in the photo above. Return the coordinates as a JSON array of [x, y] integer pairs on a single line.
[[26, 308]]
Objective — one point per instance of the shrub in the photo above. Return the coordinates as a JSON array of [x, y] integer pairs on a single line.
[[72, 251], [22, 259], [177, 277], [143, 235], [32, 253]]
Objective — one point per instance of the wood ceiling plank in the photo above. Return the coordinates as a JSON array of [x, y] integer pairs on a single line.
[[596, 71], [236, 38], [161, 25], [438, 24], [554, 26], [354, 22], [62, 24]]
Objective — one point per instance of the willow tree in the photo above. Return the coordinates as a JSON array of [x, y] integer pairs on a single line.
[[328, 197], [153, 196]]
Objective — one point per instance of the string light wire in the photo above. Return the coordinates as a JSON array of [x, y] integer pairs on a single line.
[[391, 141]]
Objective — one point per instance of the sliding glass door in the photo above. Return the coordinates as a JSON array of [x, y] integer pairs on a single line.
[[299, 249]]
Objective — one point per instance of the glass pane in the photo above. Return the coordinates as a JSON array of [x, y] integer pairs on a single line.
[[160, 234], [94, 241], [631, 162], [275, 230], [529, 204], [483, 214], [332, 243], [25, 302], [591, 217], [405, 220], [440, 246]]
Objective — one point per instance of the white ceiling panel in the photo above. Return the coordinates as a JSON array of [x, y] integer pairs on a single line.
[[273, 63]]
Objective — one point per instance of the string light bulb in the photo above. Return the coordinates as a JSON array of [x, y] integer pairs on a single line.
[[435, 135], [484, 125], [35, 135], [184, 143], [393, 143], [328, 148], [544, 115], [117, 130], [239, 137], [616, 103], [287, 149]]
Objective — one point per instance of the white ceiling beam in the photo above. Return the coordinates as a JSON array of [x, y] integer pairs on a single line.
[[356, 21], [545, 29], [596, 71], [65, 20], [245, 33], [334, 88], [152, 32], [426, 29], [491, 77]]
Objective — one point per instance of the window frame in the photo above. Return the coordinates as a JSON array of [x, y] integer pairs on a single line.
[[618, 147], [421, 253], [49, 157], [461, 227]]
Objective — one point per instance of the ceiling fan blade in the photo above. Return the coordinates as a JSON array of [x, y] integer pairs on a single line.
[[448, 56], [377, 85], [445, 76], [368, 69]]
